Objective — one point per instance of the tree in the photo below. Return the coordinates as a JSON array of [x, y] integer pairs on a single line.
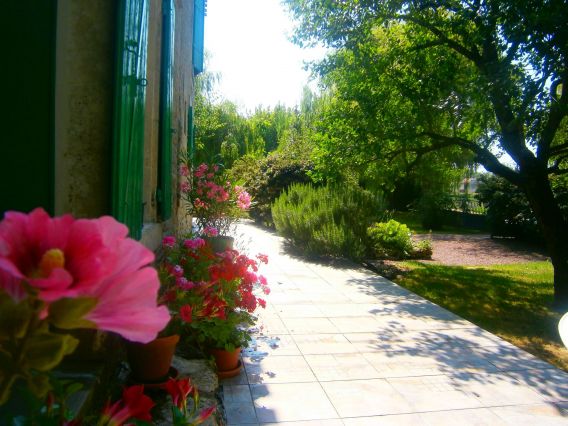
[[491, 77]]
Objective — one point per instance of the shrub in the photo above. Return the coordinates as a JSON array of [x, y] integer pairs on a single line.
[[266, 178], [327, 220], [508, 210], [422, 250], [391, 240], [431, 209]]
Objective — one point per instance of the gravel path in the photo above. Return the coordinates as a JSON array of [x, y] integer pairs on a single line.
[[451, 249]]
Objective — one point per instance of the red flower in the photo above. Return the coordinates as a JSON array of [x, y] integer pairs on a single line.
[[185, 313], [204, 415], [134, 404], [179, 390]]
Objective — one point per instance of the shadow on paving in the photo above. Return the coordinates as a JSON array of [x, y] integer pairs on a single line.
[[465, 354]]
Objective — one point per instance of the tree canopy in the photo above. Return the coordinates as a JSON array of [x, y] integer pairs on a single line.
[[485, 76]]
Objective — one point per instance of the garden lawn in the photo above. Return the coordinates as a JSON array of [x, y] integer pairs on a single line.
[[511, 301]]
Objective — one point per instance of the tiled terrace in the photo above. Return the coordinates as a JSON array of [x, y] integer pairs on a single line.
[[339, 345]]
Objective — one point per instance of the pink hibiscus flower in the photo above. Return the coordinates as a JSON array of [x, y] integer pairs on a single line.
[[66, 258]]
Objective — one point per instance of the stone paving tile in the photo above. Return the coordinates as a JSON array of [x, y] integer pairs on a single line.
[[495, 389], [551, 384], [422, 363], [356, 324], [240, 413], [531, 415], [512, 359], [357, 398], [471, 417], [278, 402], [310, 326], [318, 344], [300, 311], [278, 369], [270, 325], [344, 310], [340, 366], [328, 422], [433, 393], [391, 420], [263, 345]]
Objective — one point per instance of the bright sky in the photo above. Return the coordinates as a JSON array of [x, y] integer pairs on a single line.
[[248, 45]]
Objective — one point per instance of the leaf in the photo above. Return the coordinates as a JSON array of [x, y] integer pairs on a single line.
[[69, 313], [39, 385], [14, 317], [46, 350]]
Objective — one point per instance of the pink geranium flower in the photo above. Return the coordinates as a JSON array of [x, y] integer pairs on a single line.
[[243, 200], [63, 257], [194, 243], [183, 170], [210, 231], [169, 241], [184, 187]]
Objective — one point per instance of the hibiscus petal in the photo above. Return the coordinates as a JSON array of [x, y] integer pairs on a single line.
[[56, 286], [127, 305]]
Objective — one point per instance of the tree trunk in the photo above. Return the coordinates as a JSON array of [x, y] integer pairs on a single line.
[[554, 228]]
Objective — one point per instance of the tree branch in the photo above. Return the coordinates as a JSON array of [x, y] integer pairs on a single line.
[[483, 156], [558, 110], [472, 55], [558, 149]]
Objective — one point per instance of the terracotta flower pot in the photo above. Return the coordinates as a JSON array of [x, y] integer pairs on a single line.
[[228, 362], [150, 362], [220, 243]]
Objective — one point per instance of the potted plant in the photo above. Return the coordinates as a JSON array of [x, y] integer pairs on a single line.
[[212, 201], [215, 294]]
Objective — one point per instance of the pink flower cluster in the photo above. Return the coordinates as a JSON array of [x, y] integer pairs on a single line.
[[63, 257], [243, 198], [213, 201]]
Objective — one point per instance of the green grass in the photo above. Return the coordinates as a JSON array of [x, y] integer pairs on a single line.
[[412, 220], [512, 301]]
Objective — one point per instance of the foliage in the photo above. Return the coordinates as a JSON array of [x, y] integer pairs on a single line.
[[327, 220], [58, 274], [486, 77], [211, 295], [423, 250], [222, 134], [393, 240], [512, 301], [267, 178], [390, 239], [212, 200], [508, 210]]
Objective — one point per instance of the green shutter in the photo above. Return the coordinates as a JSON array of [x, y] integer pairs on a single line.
[[198, 35], [166, 104], [190, 133], [130, 93]]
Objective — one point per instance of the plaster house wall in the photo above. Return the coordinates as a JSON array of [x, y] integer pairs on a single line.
[[83, 106]]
